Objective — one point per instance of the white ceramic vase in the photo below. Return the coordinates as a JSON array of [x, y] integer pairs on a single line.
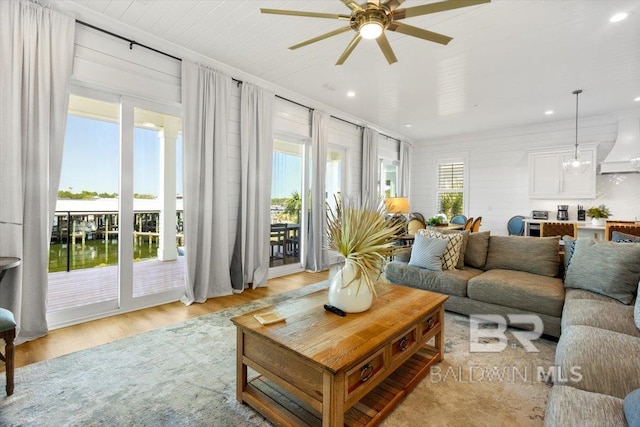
[[349, 295], [598, 221]]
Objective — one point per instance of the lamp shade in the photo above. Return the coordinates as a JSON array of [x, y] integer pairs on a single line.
[[397, 205]]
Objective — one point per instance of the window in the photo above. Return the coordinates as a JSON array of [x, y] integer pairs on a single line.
[[388, 181], [335, 175], [451, 179]]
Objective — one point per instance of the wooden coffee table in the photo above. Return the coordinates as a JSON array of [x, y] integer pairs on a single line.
[[317, 368]]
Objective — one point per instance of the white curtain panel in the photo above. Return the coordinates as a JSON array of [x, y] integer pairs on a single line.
[[250, 262], [205, 113], [317, 258], [369, 164], [405, 169], [36, 61]]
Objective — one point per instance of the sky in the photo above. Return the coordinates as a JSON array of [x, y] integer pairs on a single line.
[[90, 161]]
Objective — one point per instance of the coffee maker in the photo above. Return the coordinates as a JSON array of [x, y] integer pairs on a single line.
[[563, 212]]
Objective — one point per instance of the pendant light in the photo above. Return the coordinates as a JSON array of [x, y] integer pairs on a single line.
[[576, 164]]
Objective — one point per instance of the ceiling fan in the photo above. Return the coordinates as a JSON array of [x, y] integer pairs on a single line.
[[370, 20]]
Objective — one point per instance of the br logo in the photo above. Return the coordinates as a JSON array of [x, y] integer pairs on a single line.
[[487, 332]]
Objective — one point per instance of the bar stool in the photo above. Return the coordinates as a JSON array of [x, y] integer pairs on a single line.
[[8, 334]]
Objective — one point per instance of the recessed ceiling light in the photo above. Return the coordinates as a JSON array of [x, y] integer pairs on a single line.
[[351, 94], [618, 17], [637, 99], [408, 125], [548, 112]]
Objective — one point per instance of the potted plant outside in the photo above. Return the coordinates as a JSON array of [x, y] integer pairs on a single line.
[[598, 214], [359, 231]]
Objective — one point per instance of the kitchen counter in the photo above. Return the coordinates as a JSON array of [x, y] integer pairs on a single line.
[[585, 228]]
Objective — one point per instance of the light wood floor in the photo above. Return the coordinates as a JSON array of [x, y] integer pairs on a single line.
[[79, 337]]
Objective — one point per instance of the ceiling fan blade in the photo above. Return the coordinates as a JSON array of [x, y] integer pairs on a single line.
[[383, 42], [352, 5], [393, 4], [349, 49], [307, 14], [321, 37], [421, 33], [435, 7]]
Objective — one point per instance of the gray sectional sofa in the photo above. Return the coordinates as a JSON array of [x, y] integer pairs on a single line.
[[499, 275], [587, 301]]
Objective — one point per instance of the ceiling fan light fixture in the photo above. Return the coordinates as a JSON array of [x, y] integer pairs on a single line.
[[371, 30]]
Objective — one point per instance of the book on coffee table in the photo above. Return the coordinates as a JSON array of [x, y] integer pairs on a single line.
[[269, 317]]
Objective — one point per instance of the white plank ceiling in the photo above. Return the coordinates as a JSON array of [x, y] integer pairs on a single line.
[[508, 63]]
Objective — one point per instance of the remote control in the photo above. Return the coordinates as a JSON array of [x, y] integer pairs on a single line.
[[335, 310]]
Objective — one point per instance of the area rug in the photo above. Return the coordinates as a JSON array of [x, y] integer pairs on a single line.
[[184, 375]]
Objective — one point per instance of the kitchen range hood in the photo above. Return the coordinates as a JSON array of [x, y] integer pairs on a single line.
[[627, 145]]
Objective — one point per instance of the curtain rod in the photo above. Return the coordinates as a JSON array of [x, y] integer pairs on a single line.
[[239, 82]]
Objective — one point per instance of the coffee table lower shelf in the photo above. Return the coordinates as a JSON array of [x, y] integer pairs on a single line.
[[284, 408]]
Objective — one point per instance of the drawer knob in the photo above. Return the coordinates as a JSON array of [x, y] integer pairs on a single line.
[[365, 372], [404, 343]]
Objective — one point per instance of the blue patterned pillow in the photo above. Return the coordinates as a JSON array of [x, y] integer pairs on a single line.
[[569, 248], [427, 252], [632, 408], [620, 237]]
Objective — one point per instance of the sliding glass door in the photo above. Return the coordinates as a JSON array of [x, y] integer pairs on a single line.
[[117, 229], [289, 202]]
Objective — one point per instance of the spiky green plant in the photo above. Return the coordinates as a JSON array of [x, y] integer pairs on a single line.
[[358, 230]]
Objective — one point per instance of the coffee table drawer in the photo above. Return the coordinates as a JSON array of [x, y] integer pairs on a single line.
[[365, 372], [404, 344], [429, 323]]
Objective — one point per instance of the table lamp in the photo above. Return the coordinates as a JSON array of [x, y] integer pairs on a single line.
[[398, 207]]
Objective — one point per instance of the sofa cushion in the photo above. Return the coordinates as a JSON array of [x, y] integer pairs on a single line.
[[475, 254], [582, 294], [619, 237], [571, 407], [609, 362], [518, 289], [427, 252], [537, 255], [607, 268], [450, 282], [452, 252], [612, 316], [632, 408]]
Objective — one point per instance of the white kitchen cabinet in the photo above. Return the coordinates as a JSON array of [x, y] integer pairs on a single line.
[[548, 180]]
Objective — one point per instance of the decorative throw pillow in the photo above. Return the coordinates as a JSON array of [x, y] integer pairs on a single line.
[[454, 243], [569, 247], [636, 311], [475, 255], [463, 248], [632, 408], [605, 268], [620, 237], [427, 252]]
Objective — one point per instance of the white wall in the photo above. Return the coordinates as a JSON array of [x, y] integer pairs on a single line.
[[498, 171]]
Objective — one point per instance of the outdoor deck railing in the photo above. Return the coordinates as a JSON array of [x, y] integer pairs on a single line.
[[89, 227]]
